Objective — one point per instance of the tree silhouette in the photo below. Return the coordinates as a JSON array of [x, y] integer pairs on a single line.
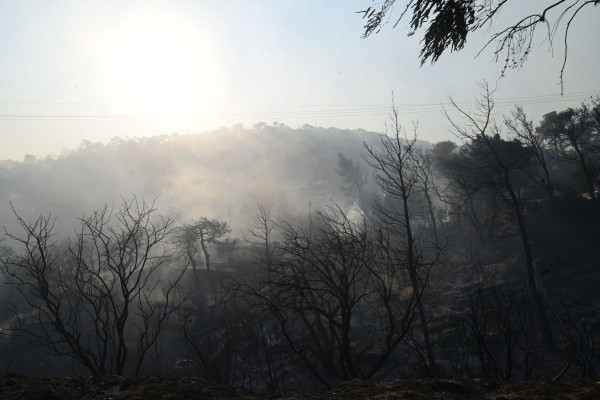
[[448, 23], [501, 161], [94, 297], [208, 231]]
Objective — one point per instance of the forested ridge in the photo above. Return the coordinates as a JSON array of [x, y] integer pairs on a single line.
[[320, 256]]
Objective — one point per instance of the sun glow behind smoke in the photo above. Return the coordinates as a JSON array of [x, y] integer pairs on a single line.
[[164, 68]]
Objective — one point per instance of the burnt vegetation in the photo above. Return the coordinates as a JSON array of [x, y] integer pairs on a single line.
[[469, 260]]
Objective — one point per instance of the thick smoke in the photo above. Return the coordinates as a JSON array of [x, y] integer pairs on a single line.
[[220, 174]]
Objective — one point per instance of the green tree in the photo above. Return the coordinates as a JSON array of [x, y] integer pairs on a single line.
[[448, 23]]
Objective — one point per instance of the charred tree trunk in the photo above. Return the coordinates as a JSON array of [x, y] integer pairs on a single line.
[[205, 251], [531, 283], [412, 265]]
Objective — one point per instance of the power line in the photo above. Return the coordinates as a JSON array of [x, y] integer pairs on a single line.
[[354, 111], [579, 93]]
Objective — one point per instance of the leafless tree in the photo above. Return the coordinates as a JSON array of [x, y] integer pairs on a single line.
[[504, 160], [426, 184], [317, 284], [186, 238], [214, 339], [398, 177], [233, 344], [90, 298], [522, 129], [260, 239], [468, 201], [580, 330]]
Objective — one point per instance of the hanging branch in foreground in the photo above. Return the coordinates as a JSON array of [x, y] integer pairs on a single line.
[[447, 25]]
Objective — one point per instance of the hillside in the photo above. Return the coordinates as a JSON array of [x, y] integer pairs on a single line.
[[221, 174]]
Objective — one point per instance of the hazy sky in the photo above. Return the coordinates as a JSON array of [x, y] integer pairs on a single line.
[[74, 70]]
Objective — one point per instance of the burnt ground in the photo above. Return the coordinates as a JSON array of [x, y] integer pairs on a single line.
[[190, 388]]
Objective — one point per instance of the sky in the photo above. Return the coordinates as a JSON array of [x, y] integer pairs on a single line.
[[92, 70]]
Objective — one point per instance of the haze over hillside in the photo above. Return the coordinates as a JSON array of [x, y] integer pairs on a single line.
[[445, 225], [222, 174]]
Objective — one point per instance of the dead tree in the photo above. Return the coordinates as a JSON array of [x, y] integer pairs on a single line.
[[426, 184], [317, 285], [397, 176], [466, 197], [186, 238], [522, 129], [232, 342], [503, 160], [86, 297], [580, 330]]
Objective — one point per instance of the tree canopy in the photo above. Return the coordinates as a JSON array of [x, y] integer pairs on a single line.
[[448, 23]]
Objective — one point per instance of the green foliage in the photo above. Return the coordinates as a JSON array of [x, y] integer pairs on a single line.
[[447, 22]]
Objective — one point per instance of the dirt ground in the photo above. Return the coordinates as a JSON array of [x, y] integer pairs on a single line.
[[190, 388]]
